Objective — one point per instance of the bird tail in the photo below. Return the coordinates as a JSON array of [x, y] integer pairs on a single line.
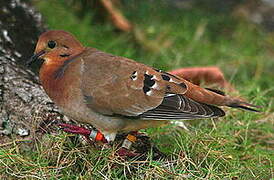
[[237, 103]]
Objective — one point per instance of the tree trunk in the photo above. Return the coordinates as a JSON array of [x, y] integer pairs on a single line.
[[25, 110]]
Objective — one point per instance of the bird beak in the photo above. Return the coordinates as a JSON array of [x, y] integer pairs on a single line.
[[35, 57]]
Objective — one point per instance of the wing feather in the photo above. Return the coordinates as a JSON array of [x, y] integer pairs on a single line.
[[113, 85], [181, 107]]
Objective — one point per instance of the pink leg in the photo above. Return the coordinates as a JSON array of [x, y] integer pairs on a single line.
[[83, 131], [122, 152]]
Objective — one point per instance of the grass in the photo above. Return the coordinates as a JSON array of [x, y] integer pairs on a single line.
[[238, 146]]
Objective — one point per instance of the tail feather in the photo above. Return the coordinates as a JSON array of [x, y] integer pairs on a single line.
[[235, 103]]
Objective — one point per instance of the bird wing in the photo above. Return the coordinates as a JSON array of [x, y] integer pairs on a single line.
[[114, 85]]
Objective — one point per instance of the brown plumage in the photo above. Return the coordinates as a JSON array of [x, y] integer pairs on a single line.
[[117, 94]]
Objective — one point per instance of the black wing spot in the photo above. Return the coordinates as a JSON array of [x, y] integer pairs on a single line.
[[133, 75], [165, 77], [148, 76], [149, 82], [146, 89]]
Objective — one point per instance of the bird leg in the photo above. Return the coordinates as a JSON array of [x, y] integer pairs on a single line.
[[124, 150], [93, 134], [209, 75]]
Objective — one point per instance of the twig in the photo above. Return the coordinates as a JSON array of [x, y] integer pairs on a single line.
[[117, 17]]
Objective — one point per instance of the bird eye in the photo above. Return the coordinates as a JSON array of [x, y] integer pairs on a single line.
[[51, 44]]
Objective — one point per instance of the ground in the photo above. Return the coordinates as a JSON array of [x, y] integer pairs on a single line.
[[238, 146]]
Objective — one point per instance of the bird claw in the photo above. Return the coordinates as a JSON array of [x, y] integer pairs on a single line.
[[123, 152]]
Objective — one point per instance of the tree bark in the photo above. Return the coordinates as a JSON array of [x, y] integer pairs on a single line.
[[24, 107]]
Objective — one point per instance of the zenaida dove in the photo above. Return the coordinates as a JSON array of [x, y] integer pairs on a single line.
[[116, 94]]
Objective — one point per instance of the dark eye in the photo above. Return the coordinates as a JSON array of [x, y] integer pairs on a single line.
[[51, 44]]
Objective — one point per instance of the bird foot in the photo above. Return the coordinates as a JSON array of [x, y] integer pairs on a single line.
[[124, 152], [95, 135], [69, 128]]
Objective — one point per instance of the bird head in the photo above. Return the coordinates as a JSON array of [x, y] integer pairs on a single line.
[[56, 46]]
